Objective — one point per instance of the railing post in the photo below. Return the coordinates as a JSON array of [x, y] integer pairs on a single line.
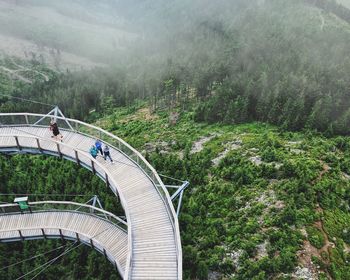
[[77, 236], [61, 234], [17, 143], [26, 117], [43, 232], [93, 167], [38, 144], [105, 253], [116, 265], [92, 244], [107, 180], [20, 234], [76, 156], [59, 149]]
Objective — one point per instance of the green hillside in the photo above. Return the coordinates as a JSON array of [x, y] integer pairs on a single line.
[[263, 203]]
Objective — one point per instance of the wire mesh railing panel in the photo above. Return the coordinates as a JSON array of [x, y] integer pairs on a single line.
[[8, 141], [84, 159], [27, 142], [47, 145], [67, 233], [31, 232], [64, 206], [12, 120], [10, 234]]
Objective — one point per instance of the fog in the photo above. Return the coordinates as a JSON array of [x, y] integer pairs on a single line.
[[104, 32], [245, 54], [149, 35]]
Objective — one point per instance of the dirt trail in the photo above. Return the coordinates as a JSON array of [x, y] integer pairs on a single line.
[[305, 255], [25, 49], [26, 69], [328, 245], [199, 144], [12, 73], [308, 251], [15, 73], [325, 169]]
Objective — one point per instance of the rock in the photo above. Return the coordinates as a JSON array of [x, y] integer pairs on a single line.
[[229, 147], [345, 176], [213, 275], [304, 273], [277, 165], [256, 160], [261, 250], [303, 232], [293, 143], [199, 145], [180, 155], [234, 256], [296, 151]]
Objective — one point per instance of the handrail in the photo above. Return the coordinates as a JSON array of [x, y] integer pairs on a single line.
[[96, 163], [140, 160], [107, 217], [69, 203]]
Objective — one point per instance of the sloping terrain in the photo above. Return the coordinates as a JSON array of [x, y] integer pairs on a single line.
[[58, 35], [263, 203], [345, 3]]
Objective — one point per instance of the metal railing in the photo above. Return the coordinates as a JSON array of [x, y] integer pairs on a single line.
[[47, 146], [65, 206], [30, 119], [69, 207]]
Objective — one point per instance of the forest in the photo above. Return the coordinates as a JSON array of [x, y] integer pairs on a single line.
[[261, 133], [268, 70], [259, 196]]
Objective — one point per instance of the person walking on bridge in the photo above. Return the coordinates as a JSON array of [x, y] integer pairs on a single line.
[[98, 145], [55, 131], [93, 151], [107, 153]]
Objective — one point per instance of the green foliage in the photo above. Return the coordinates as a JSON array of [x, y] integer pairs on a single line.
[[230, 208], [337, 224], [315, 237], [47, 178]]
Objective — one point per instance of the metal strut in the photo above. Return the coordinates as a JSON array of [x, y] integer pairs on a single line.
[[54, 113], [178, 194]]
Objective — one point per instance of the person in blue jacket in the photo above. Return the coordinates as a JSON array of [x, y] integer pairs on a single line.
[[98, 145]]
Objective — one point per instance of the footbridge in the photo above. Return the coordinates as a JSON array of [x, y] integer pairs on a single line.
[[146, 246]]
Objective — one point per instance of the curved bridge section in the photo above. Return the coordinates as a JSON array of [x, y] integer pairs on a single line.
[[154, 246], [97, 228]]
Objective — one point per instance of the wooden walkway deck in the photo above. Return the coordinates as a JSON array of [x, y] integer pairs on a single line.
[[154, 246], [96, 232]]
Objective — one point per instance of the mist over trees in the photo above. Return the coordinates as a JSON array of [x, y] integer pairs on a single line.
[[283, 62]]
